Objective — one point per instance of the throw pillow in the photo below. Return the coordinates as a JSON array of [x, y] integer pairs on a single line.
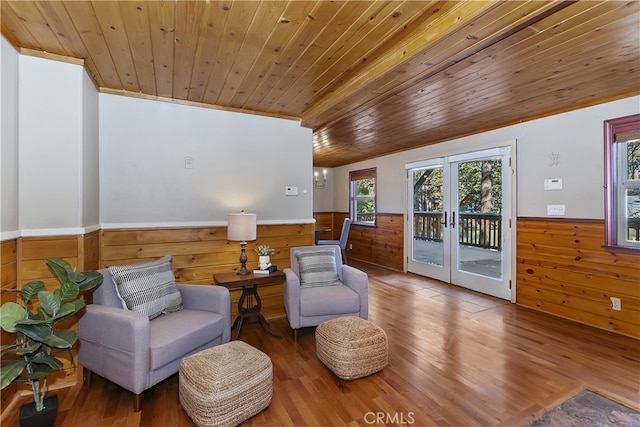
[[317, 268], [148, 288]]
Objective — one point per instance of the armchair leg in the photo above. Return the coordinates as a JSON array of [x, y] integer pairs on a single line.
[[86, 376], [137, 402], [295, 335]]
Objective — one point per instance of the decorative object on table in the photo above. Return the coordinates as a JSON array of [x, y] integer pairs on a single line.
[[264, 256], [34, 321], [242, 227], [267, 271]]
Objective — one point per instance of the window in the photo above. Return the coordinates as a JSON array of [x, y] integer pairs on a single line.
[[362, 193], [622, 182]]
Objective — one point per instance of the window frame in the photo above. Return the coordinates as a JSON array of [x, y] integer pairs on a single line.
[[358, 175], [611, 171]]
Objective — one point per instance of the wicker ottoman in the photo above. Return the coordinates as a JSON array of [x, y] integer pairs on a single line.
[[225, 385], [352, 347]]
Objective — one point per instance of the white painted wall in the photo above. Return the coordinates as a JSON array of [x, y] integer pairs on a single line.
[[50, 132], [240, 162], [577, 136], [90, 180], [8, 140]]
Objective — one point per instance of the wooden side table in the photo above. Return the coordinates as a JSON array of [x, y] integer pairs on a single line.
[[249, 304]]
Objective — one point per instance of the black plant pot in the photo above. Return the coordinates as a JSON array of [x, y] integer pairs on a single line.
[[29, 417]]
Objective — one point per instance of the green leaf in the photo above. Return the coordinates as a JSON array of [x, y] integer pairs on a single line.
[[42, 315], [10, 371], [32, 348], [7, 347], [42, 334], [59, 268], [68, 288], [92, 279], [36, 332], [62, 339], [33, 321], [39, 371], [69, 309], [31, 289], [48, 360], [10, 314], [49, 302]]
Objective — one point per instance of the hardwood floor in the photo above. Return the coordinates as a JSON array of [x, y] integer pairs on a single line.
[[456, 358]]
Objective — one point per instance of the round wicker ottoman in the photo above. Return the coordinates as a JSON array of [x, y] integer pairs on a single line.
[[352, 347], [225, 385]]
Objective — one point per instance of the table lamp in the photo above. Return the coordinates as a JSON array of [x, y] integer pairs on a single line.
[[242, 227]]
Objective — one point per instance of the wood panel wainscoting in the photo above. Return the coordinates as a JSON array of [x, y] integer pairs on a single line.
[[8, 280], [24, 260], [562, 269], [200, 252], [382, 244]]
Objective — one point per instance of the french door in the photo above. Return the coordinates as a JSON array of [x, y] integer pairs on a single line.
[[459, 217]]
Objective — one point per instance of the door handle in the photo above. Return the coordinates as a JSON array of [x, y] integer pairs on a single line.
[[445, 219], [453, 219]]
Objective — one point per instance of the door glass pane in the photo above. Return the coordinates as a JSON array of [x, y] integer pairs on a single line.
[[479, 219], [428, 217], [628, 203]]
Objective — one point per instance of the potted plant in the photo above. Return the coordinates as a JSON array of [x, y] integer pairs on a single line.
[[264, 256], [33, 320]]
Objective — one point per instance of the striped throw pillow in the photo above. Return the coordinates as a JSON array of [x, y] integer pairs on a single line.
[[317, 268], [148, 288]]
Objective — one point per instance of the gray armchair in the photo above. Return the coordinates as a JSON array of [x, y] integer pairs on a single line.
[[136, 353], [309, 304]]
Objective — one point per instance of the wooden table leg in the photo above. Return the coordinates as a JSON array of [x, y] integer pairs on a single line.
[[249, 305]]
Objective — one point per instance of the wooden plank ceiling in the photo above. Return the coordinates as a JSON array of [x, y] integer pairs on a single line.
[[369, 77]]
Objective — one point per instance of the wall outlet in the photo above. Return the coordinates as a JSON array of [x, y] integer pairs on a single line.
[[616, 304]]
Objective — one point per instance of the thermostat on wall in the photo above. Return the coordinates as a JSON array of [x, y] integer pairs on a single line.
[[553, 184]]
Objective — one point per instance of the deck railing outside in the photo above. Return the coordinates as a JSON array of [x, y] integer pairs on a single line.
[[483, 230]]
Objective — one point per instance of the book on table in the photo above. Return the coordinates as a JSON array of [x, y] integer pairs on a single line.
[[269, 270]]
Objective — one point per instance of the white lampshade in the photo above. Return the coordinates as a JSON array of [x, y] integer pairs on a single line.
[[242, 227]]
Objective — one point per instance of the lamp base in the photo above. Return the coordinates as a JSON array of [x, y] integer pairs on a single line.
[[243, 260]]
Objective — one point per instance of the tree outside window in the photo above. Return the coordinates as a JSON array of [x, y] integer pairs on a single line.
[[622, 182], [363, 196]]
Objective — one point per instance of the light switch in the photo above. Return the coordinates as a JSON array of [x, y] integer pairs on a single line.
[[188, 162]]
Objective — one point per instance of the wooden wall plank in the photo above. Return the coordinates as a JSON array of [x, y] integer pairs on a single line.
[[563, 270], [32, 255], [8, 280], [199, 253], [382, 244]]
